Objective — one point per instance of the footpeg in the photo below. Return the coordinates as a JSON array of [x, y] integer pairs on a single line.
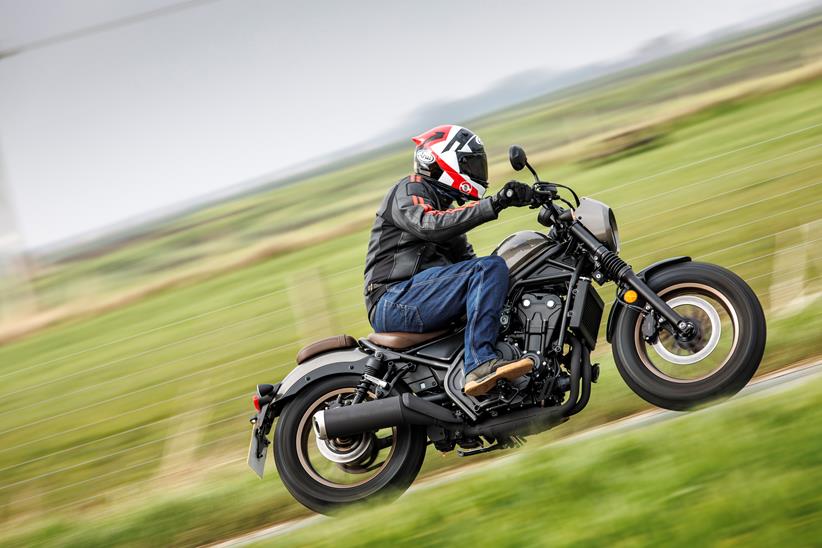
[[511, 442], [374, 380], [472, 452]]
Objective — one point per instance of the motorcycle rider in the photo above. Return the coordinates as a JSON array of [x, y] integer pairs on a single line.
[[421, 273]]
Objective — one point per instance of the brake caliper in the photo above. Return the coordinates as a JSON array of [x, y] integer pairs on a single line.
[[650, 329]]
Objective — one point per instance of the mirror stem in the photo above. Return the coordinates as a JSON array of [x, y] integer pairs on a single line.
[[534, 173]]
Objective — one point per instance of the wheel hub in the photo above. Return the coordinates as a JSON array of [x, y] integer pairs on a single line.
[[704, 319], [346, 450]]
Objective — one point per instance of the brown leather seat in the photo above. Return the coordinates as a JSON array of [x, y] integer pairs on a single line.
[[399, 341], [325, 345]]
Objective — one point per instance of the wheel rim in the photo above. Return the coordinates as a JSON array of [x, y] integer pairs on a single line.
[[342, 463], [718, 324]]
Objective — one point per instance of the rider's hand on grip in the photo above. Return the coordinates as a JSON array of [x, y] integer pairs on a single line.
[[513, 193]]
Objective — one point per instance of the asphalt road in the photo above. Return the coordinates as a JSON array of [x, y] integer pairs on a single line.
[[768, 384]]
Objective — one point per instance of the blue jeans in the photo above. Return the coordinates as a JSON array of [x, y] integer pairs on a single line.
[[437, 296]]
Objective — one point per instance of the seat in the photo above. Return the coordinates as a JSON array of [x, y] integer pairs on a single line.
[[401, 341], [325, 345]]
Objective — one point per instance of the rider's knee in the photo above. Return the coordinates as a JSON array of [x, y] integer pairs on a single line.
[[495, 265]]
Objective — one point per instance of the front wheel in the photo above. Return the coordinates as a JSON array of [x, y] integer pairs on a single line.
[[717, 363], [325, 475]]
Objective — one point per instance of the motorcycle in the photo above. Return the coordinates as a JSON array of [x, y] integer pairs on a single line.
[[354, 418]]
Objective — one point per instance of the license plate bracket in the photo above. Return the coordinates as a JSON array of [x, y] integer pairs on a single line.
[[258, 448]]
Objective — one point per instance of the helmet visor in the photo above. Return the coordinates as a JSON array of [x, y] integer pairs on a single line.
[[475, 166]]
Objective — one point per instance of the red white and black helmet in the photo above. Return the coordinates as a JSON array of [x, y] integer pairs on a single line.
[[453, 156]]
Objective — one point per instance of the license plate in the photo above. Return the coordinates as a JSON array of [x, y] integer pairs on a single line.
[[254, 462]]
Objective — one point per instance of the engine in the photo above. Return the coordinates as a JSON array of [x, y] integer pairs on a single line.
[[539, 315], [531, 321]]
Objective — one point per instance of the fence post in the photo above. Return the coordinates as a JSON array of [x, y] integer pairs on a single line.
[[790, 288], [309, 305]]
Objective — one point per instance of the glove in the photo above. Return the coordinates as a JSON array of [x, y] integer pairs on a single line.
[[513, 193]]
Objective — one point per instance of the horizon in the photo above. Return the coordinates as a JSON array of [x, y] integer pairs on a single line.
[[223, 188]]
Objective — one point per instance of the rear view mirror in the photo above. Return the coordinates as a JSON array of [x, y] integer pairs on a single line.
[[517, 157]]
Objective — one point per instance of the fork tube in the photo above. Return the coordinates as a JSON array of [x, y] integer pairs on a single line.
[[632, 280], [621, 272]]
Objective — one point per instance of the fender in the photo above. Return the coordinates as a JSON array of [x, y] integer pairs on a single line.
[[337, 362], [643, 275]]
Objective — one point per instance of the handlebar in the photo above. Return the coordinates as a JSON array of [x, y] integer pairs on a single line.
[[545, 193]]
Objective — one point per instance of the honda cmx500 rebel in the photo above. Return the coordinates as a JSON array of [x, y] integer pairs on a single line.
[[354, 418]]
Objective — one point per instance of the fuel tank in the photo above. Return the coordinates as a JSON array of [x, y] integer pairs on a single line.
[[518, 248]]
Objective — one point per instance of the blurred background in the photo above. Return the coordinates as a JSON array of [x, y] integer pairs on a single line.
[[186, 191]]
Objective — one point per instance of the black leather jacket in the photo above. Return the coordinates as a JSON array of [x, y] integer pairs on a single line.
[[417, 229]]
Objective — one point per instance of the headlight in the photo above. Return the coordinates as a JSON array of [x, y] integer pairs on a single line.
[[614, 232], [599, 219]]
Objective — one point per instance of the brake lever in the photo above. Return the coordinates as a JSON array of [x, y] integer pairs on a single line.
[[548, 189], [544, 190]]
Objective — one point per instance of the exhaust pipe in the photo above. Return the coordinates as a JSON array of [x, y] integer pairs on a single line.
[[585, 388], [409, 409], [383, 413]]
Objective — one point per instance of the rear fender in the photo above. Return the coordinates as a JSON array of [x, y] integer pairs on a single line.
[[338, 362], [643, 275]]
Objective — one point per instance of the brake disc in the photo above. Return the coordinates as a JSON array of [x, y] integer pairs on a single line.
[[713, 321], [347, 450]]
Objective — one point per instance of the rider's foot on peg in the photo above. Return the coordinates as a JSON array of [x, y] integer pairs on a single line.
[[485, 377]]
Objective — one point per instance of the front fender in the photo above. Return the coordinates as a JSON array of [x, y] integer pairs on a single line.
[[350, 360], [643, 275]]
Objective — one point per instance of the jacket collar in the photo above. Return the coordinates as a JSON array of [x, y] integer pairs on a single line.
[[445, 195]]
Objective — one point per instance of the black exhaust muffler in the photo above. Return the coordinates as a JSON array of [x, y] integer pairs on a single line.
[[409, 409], [383, 413]]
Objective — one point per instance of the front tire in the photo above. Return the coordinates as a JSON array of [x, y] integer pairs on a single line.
[[733, 332], [316, 476]]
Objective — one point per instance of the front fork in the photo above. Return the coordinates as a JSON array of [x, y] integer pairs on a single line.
[[611, 265], [681, 327]]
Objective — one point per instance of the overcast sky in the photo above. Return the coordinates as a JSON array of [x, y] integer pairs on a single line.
[[125, 121]]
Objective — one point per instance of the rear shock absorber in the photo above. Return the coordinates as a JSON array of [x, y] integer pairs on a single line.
[[374, 366]]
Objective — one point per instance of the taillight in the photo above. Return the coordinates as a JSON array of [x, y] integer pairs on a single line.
[[265, 394]]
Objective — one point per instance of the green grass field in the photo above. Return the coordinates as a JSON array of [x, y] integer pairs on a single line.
[[746, 473], [132, 425]]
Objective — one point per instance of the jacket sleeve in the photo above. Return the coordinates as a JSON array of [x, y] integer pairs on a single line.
[[413, 212]]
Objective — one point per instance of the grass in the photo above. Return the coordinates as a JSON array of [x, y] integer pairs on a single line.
[[745, 473], [139, 416]]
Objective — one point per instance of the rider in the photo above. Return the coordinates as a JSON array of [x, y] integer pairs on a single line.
[[421, 273]]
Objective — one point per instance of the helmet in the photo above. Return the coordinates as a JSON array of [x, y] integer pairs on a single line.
[[454, 157]]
